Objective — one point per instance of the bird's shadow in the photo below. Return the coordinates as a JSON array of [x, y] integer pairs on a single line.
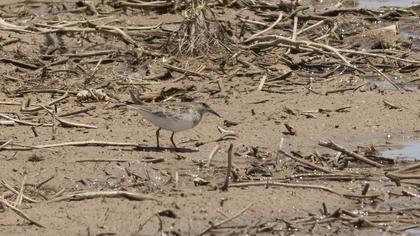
[[163, 149]]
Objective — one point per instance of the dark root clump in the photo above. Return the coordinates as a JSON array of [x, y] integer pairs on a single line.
[[200, 32]]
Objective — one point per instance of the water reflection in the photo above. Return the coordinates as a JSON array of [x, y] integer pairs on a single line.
[[410, 151]]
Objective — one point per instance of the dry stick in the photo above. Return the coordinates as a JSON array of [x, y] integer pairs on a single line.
[[406, 192], [6, 185], [412, 226], [279, 184], [66, 123], [106, 29], [136, 83], [295, 24], [103, 28], [12, 78], [47, 91], [279, 39], [324, 209], [365, 189], [155, 4], [152, 160], [142, 51], [226, 220], [340, 90], [310, 27], [358, 87], [330, 48], [57, 62], [225, 131], [318, 221], [16, 2], [397, 176], [20, 213], [19, 63], [312, 165], [94, 61], [141, 225], [253, 22], [79, 143], [59, 193], [262, 82], [40, 107], [37, 186], [77, 112], [336, 11], [176, 180], [72, 23], [185, 71], [6, 24], [89, 54], [68, 29], [89, 79], [377, 55], [93, 94], [6, 143], [221, 138], [333, 176], [229, 169], [7, 42], [359, 157], [157, 26], [104, 160], [399, 211], [15, 30], [390, 105], [267, 29], [53, 130], [23, 122], [386, 77], [212, 154], [25, 103], [104, 194], [406, 168], [26, 147], [20, 195], [120, 32], [279, 148], [351, 195]]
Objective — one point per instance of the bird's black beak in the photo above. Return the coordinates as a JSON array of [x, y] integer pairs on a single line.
[[213, 112]]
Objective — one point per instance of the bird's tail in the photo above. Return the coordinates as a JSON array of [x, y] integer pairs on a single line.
[[135, 98]]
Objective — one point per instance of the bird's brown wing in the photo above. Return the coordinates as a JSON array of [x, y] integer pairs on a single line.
[[166, 109]]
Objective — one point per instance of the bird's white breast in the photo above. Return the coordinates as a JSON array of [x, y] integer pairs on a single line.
[[171, 123]]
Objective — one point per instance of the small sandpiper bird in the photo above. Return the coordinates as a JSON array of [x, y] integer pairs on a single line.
[[170, 116]]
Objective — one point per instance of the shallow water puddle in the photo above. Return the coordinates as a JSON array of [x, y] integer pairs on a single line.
[[414, 231], [370, 4], [409, 152], [386, 3]]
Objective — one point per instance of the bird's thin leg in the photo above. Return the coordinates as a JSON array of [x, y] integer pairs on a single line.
[[157, 138], [172, 140]]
